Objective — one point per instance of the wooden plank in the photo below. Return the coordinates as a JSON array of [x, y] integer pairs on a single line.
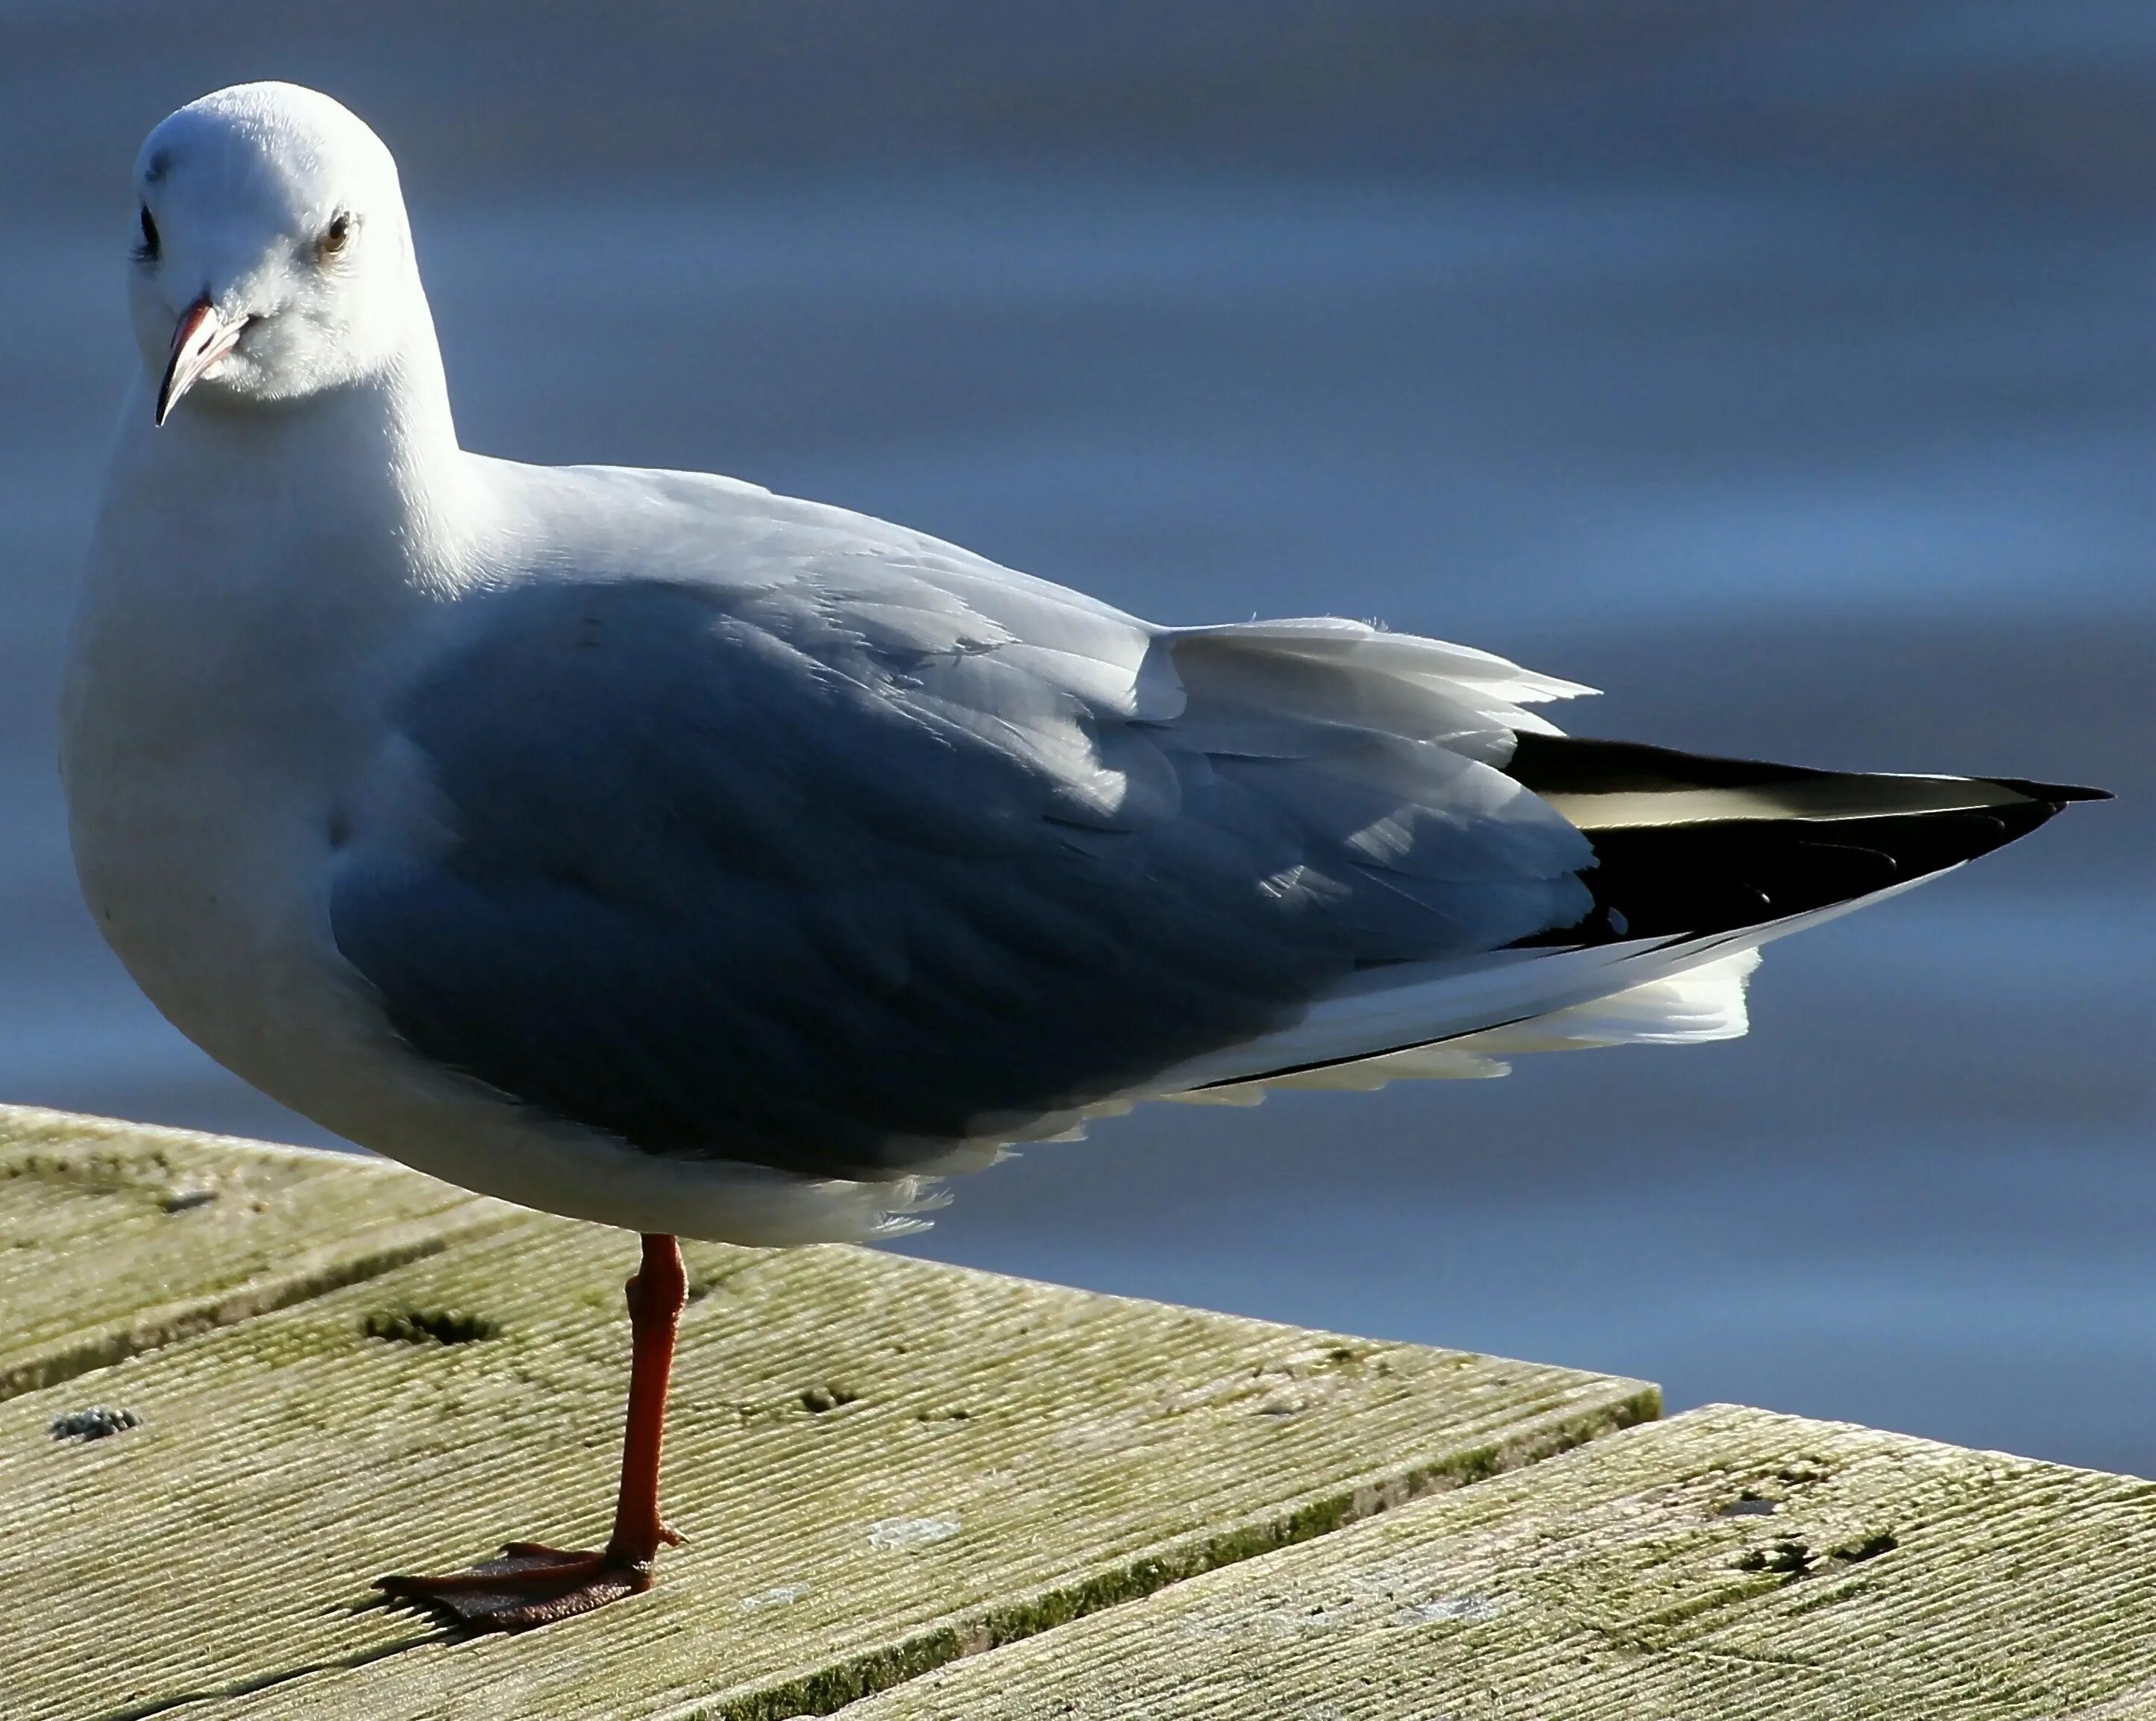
[[881, 1462], [115, 1238], [1727, 1563]]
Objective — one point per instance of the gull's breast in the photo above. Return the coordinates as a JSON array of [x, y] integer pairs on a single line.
[[204, 856]]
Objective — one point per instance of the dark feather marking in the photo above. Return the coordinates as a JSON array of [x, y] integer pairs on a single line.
[[1693, 879]]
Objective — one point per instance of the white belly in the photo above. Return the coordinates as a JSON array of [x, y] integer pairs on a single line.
[[214, 898]]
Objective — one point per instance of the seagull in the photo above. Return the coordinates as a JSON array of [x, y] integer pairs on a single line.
[[647, 847]]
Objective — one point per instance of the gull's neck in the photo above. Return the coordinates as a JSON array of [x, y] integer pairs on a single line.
[[360, 486], [262, 572]]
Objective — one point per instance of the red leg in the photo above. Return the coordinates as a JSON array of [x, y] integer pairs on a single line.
[[656, 1297], [533, 1584]]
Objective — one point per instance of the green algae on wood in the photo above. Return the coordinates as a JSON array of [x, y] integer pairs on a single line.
[[115, 1238], [880, 1463], [1726, 1563]]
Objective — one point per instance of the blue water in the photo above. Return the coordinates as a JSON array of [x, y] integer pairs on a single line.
[[1786, 371]]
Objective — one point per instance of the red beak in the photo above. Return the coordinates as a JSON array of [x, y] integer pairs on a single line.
[[199, 344]]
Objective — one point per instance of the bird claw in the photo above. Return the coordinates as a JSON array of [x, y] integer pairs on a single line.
[[529, 1585]]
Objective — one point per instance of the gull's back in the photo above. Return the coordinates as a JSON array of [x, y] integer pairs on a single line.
[[789, 836]]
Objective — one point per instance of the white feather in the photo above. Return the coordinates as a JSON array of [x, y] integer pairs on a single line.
[[1458, 1019]]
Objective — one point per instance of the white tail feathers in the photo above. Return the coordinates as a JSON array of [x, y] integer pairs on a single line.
[[1687, 1008]]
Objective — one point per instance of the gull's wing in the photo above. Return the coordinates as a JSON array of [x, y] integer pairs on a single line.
[[763, 830]]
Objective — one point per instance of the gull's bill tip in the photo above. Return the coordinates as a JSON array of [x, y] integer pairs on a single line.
[[201, 341]]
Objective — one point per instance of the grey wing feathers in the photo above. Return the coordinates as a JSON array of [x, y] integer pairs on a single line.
[[877, 848]]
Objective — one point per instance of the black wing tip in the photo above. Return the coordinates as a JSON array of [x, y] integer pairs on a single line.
[[1689, 878], [1559, 764], [2057, 795]]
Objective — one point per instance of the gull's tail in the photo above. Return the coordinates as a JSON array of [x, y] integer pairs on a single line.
[[1699, 862]]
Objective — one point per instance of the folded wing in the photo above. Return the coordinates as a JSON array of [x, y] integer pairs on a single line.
[[857, 847]]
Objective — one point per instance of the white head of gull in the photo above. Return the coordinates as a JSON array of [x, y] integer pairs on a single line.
[[649, 848]]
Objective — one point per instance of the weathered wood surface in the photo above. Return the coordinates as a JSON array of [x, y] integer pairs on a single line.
[[881, 1462], [116, 1239], [1727, 1563]]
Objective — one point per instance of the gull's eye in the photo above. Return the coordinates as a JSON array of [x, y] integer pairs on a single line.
[[335, 237], [146, 252]]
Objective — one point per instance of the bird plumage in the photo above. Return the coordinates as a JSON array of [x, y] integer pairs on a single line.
[[654, 848]]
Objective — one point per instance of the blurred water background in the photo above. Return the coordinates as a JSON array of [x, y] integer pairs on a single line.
[[1786, 369]]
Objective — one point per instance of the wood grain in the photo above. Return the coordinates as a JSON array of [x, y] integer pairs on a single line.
[[881, 1463], [1727, 1563]]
